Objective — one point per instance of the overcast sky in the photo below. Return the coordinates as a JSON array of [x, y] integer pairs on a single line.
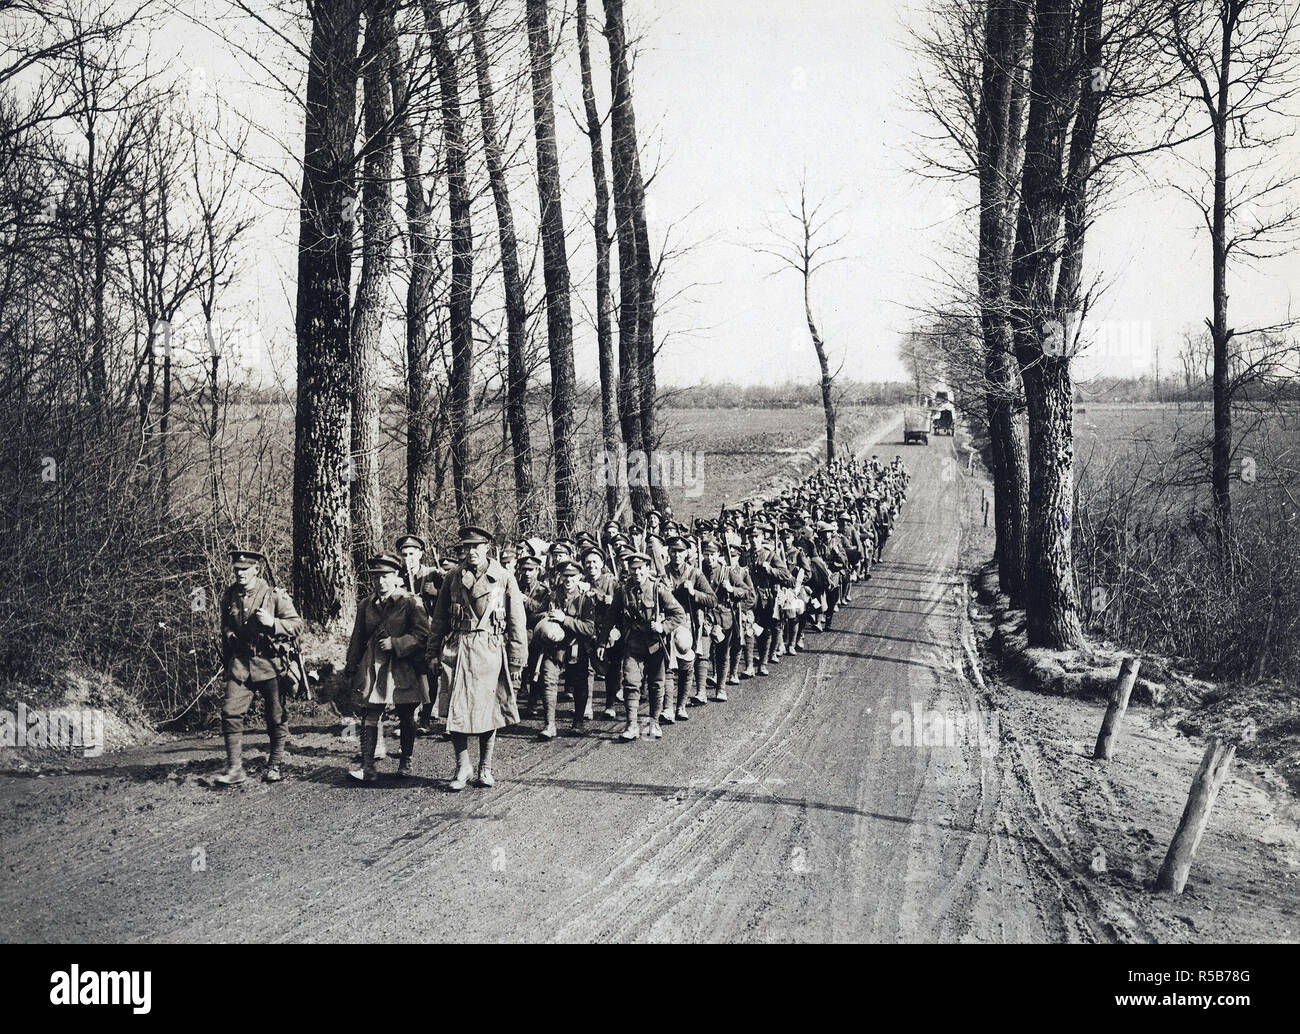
[[734, 99]]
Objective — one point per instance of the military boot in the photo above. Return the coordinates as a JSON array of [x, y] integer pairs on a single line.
[[234, 773], [367, 773], [278, 734], [408, 747]]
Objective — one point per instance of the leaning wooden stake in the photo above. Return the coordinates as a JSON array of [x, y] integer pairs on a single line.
[[1205, 787], [1119, 694]]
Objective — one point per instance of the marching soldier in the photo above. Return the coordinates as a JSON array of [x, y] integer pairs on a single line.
[[606, 659], [767, 573], [564, 638], [253, 614], [384, 653], [422, 582], [735, 593], [479, 636], [697, 598], [645, 615], [537, 600]]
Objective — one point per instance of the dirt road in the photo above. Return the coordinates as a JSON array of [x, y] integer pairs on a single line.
[[804, 809]]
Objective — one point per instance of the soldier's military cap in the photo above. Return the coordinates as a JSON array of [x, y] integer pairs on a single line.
[[763, 526], [677, 542], [529, 563], [593, 550], [826, 527], [582, 538], [384, 563], [632, 555], [411, 540], [508, 554], [567, 568], [654, 513], [561, 545], [710, 545], [245, 558], [472, 536]]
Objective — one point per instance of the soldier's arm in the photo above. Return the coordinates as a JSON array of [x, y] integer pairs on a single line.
[[748, 599], [287, 620], [439, 623], [704, 594], [673, 613], [780, 573], [228, 629], [516, 626], [416, 639], [357, 643], [584, 622]]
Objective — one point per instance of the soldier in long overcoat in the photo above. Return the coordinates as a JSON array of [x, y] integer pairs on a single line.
[[253, 614], [480, 638]]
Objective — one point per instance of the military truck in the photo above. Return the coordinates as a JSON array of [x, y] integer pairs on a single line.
[[916, 426]]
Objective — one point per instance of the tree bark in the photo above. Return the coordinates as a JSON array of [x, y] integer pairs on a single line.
[[516, 305], [323, 575], [604, 299], [1220, 333], [555, 262], [998, 138], [368, 309], [1051, 602], [460, 313], [623, 165], [419, 230], [828, 384]]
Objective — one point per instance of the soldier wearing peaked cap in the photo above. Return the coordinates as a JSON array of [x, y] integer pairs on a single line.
[[564, 640], [385, 658], [252, 613], [479, 636], [422, 582], [644, 615]]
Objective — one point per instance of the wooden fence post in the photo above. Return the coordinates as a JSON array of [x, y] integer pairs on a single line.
[[1119, 694], [1205, 788]]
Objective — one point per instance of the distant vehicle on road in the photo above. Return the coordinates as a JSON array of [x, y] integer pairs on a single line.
[[916, 426], [942, 422]]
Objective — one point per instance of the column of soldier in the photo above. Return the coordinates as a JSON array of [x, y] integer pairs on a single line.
[[664, 614]]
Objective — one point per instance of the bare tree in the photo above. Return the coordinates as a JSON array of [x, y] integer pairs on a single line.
[[462, 263], [1241, 58], [516, 374], [376, 158], [805, 249], [323, 574], [604, 295], [555, 262]]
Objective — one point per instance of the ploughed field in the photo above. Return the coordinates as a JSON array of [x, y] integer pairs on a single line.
[[1163, 448]]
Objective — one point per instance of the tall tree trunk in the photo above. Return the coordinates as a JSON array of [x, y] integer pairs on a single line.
[[1220, 333], [1042, 333], [516, 304], [828, 383], [419, 229], [998, 137], [323, 576], [604, 299], [555, 261], [645, 330], [372, 289], [624, 167], [460, 313]]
